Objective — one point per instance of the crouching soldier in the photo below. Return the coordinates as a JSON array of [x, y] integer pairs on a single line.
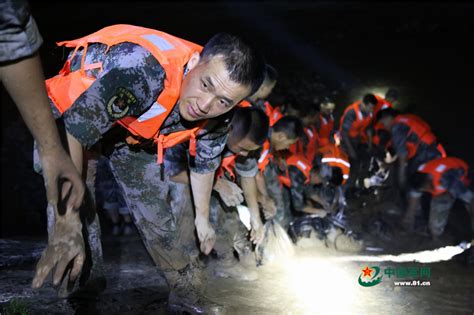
[[281, 136], [163, 90], [445, 179]]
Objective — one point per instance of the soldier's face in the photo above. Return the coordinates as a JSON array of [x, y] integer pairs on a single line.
[[207, 91], [281, 141], [241, 147]]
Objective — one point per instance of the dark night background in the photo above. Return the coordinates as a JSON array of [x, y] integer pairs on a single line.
[[343, 48]]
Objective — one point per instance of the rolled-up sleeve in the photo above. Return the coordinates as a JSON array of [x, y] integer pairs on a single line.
[[19, 35], [246, 167]]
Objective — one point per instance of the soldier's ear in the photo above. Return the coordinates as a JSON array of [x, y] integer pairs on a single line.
[[194, 60]]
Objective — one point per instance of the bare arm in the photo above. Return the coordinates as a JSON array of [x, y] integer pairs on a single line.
[[268, 204], [201, 185], [24, 81], [249, 186]]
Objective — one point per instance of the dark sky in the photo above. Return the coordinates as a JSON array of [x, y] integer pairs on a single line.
[[423, 49]]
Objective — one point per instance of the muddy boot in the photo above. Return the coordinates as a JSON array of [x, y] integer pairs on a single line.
[[232, 268], [186, 296]]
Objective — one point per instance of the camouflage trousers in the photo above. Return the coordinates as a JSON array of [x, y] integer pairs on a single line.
[[161, 210], [439, 213]]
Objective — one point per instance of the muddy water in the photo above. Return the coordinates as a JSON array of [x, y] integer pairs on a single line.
[[310, 283]]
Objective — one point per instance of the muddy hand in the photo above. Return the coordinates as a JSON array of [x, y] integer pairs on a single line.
[[230, 193], [258, 232], [268, 205], [66, 245], [206, 235]]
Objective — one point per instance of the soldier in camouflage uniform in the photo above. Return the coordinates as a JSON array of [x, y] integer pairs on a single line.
[[282, 135], [214, 82], [248, 130], [446, 180]]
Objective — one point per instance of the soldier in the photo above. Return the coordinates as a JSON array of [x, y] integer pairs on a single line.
[[412, 140], [356, 133], [163, 90], [282, 135], [248, 130], [259, 99], [445, 179], [325, 124]]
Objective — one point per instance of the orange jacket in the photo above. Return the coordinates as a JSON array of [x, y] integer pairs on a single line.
[[301, 163], [265, 156], [227, 165], [171, 52], [326, 126], [273, 113], [436, 168], [419, 127], [360, 124], [311, 148], [334, 156], [381, 104]]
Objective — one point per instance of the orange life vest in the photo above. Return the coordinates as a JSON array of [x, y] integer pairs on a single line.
[[335, 157], [360, 124], [311, 148], [381, 104], [227, 165], [265, 156], [436, 168], [326, 126], [245, 103], [300, 162], [419, 127], [172, 53], [274, 114]]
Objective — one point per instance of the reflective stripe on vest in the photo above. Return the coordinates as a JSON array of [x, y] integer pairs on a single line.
[[302, 164], [437, 167]]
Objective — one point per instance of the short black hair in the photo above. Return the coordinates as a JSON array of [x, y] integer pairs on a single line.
[[291, 126], [271, 74], [250, 122], [386, 112], [243, 62], [337, 177], [369, 99]]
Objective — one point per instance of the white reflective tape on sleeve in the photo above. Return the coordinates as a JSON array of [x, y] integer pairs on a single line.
[[263, 156], [155, 110], [440, 168], [328, 160], [301, 164], [161, 43]]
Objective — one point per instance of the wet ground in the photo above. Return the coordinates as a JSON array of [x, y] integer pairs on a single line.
[[312, 282]]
